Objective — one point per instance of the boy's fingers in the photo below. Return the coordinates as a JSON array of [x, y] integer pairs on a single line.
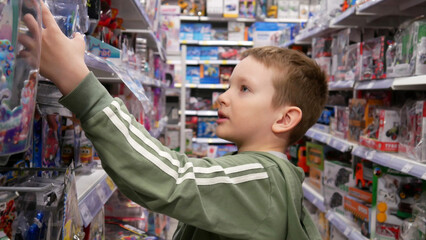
[[47, 17], [32, 25]]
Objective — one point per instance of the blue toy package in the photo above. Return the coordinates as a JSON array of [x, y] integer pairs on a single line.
[[193, 53], [193, 74], [202, 31], [209, 74], [219, 34], [209, 53], [101, 49], [186, 31], [206, 127], [18, 80]]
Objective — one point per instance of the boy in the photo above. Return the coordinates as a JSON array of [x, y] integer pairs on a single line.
[[275, 95]]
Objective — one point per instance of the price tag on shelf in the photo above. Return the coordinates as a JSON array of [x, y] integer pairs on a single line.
[[407, 167], [224, 62], [347, 231], [184, 41], [110, 183], [85, 213], [206, 62]]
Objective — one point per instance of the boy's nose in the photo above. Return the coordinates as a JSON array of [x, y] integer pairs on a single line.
[[223, 99]]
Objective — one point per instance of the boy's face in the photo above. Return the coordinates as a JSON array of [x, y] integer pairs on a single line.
[[246, 114]]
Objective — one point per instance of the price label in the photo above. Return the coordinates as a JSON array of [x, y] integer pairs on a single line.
[[85, 213], [206, 62], [407, 167], [347, 231], [224, 62], [110, 183], [184, 42]]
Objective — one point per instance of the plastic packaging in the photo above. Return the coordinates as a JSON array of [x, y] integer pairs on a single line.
[[18, 74]]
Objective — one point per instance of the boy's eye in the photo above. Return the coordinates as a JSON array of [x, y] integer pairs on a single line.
[[244, 88]]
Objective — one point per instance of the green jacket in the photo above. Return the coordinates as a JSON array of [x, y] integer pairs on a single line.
[[249, 195]]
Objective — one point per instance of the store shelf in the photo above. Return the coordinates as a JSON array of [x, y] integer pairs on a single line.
[[217, 43], [344, 226], [410, 83], [203, 86], [348, 18], [214, 19], [93, 191], [133, 14], [341, 85], [306, 36], [197, 62], [152, 41], [210, 140], [374, 84], [285, 20], [314, 197], [335, 142], [201, 113], [393, 7], [393, 161]]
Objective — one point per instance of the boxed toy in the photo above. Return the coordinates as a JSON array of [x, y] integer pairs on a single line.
[[209, 74], [338, 48], [193, 74], [373, 59], [321, 52], [231, 8], [352, 58], [338, 175], [219, 34], [324, 118], [170, 24], [236, 31], [266, 33], [394, 200], [186, 31], [214, 8], [382, 133], [225, 73], [202, 31], [315, 179], [413, 130], [288, 9], [334, 199], [206, 127], [341, 116], [193, 53], [315, 155], [209, 53], [361, 214], [247, 8], [420, 49], [361, 115], [227, 53]]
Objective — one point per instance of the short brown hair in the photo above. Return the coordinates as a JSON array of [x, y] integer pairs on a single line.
[[298, 81]]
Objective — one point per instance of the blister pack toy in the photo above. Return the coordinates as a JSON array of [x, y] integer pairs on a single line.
[[20, 41]]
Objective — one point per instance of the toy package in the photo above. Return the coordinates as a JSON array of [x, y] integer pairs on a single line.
[[373, 59], [321, 53], [206, 127], [209, 53], [18, 69], [412, 130], [338, 47], [325, 116], [193, 74], [225, 74], [193, 53], [361, 113], [404, 54], [267, 33], [209, 74], [394, 200], [214, 8], [231, 8], [186, 31], [219, 34], [72, 223], [361, 214], [71, 15], [170, 24], [202, 31], [236, 31], [288, 9], [352, 59], [247, 8], [228, 53], [341, 116]]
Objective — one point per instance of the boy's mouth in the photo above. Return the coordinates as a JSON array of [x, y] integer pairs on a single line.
[[221, 117]]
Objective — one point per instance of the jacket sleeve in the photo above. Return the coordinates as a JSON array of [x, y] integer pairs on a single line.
[[229, 196]]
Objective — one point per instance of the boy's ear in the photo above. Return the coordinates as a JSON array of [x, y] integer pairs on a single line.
[[288, 119]]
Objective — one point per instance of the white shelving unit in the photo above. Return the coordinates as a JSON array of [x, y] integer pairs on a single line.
[[203, 86], [93, 191], [335, 142], [217, 43], [340, 222], [211, 140], [341, 85]]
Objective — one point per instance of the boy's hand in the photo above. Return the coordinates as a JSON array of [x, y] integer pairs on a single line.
[[62, 59]]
